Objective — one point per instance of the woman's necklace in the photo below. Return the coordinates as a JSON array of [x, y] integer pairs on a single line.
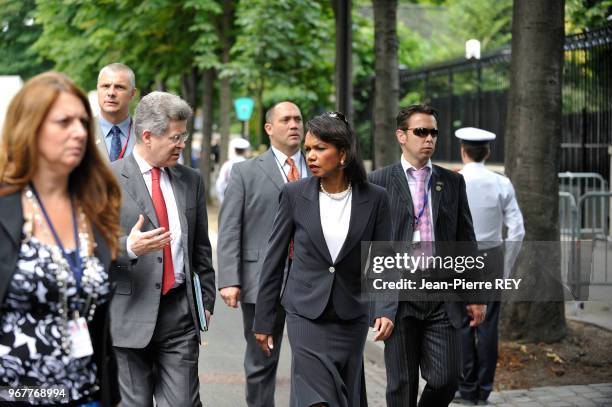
[[63, 269], [338, 196]]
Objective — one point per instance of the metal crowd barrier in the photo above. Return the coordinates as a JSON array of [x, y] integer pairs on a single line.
[[584, 224]]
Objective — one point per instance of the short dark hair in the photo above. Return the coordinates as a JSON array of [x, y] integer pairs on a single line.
[[333, 128], [476, 152], [270, 111], [405, 113]]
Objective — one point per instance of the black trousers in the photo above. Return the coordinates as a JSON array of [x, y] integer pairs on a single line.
[[260, 370], [479, 345], [430, 343]]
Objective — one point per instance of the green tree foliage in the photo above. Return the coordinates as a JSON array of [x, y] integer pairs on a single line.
[[586, 14], [488, 21], [285, 50], [154, 37], [18, 31]]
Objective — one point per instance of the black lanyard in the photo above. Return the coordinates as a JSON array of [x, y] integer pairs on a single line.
[[302, 166], [425, 199], [73, 261]]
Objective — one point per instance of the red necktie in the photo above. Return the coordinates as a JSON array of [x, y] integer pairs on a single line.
[[293, 175], [162, 216]]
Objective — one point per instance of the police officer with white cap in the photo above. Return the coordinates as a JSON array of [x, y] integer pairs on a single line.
[[493, 204], [240, 146]]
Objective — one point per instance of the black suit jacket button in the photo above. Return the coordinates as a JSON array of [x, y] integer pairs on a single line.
[[157, 286], [159, 259], [332, 269]]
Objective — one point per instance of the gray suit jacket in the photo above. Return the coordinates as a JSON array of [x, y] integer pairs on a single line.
[[136, 302], [245, 222]]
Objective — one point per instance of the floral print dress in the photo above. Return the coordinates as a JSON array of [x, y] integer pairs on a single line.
[[32, 326]]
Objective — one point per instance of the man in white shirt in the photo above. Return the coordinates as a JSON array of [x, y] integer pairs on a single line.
[[492, 204], [116, 88], [240, 147]]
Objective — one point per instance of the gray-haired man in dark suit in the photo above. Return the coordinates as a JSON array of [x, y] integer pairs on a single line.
[[426, 332], [155, 325], [245, 223]]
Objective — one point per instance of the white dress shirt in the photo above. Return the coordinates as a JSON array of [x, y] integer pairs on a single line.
[[412, 184], [493, 204], [281, 162], [335, 220], [173, 216], [224, 175]]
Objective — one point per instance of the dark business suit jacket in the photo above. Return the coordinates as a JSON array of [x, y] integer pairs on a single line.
[[314, 278], [11, 226], [451, 213], [136, 303]]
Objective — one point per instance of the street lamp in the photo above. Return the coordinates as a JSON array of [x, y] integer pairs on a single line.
[[472, 52], [472, 49]]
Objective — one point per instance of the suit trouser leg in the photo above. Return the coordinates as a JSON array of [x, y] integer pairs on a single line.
[[468, 383], [402, 358], [260, 370], [487, 350], [136, 378], [440, 360], [167, 368]]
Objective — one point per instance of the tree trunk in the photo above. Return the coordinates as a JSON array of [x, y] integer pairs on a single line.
[[225, 90], [532, 149], [188, 89], [386, 91], [259, 117], [344, 56], [208, 78]]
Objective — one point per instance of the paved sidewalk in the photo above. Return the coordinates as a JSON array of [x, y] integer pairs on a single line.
[[562, 396], [222, 378], [599, 395]]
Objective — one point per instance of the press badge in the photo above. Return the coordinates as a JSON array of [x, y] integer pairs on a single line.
[[80, 342]]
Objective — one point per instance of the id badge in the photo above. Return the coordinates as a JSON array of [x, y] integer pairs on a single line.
[[80, 342], [416, 236]]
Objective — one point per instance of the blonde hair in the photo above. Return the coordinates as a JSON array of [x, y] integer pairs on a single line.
[[91, 182]]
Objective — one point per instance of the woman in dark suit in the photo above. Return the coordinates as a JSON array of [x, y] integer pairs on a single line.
[[59, 227], [323, 220]]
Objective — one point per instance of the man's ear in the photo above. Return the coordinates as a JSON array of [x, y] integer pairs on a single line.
[[146, 137], [133, 93], [401, 136], [268, 128]]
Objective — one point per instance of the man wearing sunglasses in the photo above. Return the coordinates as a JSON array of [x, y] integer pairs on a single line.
[[428, 204]]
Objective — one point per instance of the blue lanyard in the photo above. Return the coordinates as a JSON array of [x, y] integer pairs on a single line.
[[73, 261], [425, 199]]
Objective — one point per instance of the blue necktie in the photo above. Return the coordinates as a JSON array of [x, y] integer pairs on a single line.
[[115, 143]]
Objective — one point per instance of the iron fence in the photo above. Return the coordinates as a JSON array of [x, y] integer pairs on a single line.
[[474, 93]]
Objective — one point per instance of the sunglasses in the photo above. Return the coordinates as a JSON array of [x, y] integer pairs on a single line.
[[423, 131], [338, 116]]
